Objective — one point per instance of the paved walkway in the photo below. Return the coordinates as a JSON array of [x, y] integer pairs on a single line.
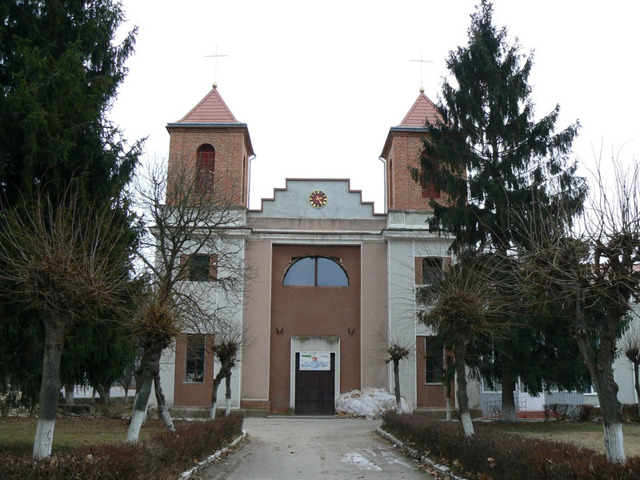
[[284, 448]]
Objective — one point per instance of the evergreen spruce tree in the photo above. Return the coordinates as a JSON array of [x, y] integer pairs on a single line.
[[97, 355], [495, 165], [59, 73]]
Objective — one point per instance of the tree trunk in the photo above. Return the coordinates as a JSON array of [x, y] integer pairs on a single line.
[[50, 387], [461, 391], [104, 394], [125, 382], [224, 372], [601, 370], [637, 385], [599, 362], [396, 379], [214, 395], [163, 412], [447, 387], [68, 394], [148, 369], [611, 411], [227, 410], [508, 402]]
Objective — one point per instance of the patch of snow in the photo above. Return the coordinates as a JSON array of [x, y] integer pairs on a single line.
[[392, 458], [360, 461], [370, 403]]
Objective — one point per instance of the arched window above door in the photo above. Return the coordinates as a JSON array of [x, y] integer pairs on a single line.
[[205, 168], [315, 271]]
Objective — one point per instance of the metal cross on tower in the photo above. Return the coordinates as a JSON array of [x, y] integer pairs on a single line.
[[215, 68], [422, 62]]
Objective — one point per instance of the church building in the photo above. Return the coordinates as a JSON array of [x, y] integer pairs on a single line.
[[332, 283]]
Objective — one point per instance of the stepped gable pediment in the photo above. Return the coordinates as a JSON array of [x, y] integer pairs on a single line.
[[294, 201]]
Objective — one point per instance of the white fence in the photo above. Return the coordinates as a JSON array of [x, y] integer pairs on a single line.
[[491, 402]]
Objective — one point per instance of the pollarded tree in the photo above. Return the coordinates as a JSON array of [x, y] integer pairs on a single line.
[[228, 343], [489, 157], [467, 315], [397, 352], [63, 261], [195, 269], [594, 274]]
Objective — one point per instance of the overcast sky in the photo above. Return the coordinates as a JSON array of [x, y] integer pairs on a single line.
[[319, 84]]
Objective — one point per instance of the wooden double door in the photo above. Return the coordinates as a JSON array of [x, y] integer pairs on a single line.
[[315, 390]]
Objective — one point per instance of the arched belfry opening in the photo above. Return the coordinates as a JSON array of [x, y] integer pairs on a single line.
[[205, 168]]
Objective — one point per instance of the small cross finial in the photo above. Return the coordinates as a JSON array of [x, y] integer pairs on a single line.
[[215, 69], [422, 62]]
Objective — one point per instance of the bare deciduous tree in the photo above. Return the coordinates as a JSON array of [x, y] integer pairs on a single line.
[[464, 309], [187, 221], [593, 273], [397, 352], [65, 260], [228, 344]]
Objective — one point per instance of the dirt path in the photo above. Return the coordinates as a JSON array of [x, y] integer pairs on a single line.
[[309, 449]]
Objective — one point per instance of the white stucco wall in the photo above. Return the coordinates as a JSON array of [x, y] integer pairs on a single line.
[[405, 243]]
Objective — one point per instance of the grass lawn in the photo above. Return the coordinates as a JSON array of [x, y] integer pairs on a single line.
[[17, 433], [589, 435]]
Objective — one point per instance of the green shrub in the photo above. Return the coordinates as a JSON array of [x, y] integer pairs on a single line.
[[503, 456]]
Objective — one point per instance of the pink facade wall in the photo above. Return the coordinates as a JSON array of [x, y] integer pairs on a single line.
[[257, 322], [374, 310]]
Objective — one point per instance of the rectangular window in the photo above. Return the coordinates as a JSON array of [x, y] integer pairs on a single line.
[[428, 270], [199, 267], [195, 359], [434, 361]]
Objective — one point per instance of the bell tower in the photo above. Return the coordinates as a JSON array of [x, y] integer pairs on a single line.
[[402, 152], [213, 146]]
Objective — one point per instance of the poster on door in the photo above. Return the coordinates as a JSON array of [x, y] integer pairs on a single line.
[[318, 361]]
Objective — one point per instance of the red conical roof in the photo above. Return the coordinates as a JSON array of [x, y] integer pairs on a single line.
[[211, 109], [422, 112]]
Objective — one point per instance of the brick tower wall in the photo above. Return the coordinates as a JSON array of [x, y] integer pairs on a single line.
[[231, 158], [404, 193]]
